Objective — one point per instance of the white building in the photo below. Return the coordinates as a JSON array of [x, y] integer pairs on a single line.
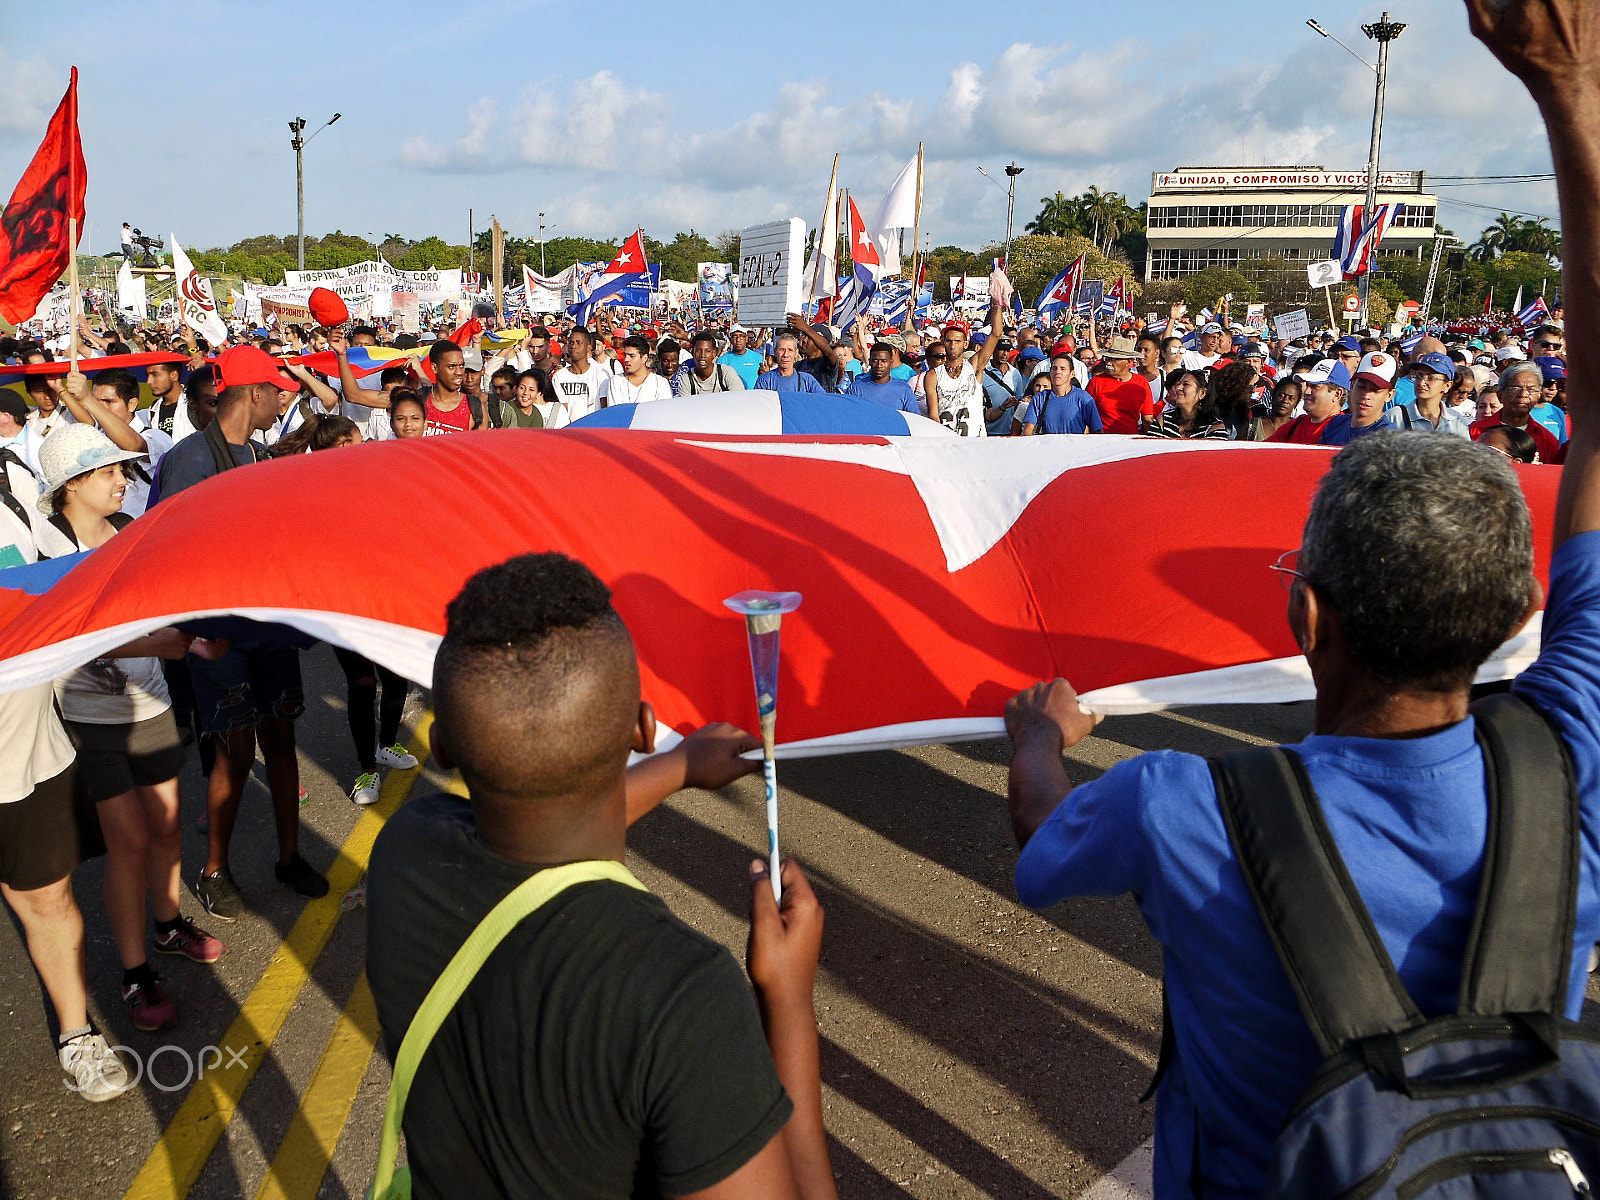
[[1215, 216]]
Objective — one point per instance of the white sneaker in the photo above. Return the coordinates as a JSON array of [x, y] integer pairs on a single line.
[[365, 791], [97, 1073], [396, 757]]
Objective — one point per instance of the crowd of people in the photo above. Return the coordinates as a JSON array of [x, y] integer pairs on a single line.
[[642, 1059]]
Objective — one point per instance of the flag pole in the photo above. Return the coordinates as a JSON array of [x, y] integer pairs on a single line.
[[916, 245], [72, 286], [816, 255]]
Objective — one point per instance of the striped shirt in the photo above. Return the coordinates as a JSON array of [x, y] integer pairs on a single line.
[[1167, 427]]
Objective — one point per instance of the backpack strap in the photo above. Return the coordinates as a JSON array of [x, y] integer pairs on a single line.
[[441, 999], [7, 496], [64, 527], [1519, 954], [221, 456], [1341, 973]]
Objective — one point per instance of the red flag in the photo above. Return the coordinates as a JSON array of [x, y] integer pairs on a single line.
[[630, 259], [1488, 301], [467, 332], [34, 248]]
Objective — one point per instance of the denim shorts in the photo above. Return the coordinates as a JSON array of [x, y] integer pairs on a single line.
[[251, 681]]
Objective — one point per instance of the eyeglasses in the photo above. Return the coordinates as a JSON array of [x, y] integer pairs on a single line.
[[1551, 345], [1287, 568]]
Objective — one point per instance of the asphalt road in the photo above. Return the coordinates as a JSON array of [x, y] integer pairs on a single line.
[[969, 1047]]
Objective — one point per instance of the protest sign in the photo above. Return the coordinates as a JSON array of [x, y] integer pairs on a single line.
[[1255, 317], [1325, 273], [716, 282], [1091, 295], [770, 280], [1291, 325]]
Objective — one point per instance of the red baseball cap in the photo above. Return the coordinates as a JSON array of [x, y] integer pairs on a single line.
[[241, 366], [958, 323]]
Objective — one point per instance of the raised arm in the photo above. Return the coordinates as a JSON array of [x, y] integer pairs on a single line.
[[1553, 46], [78, 395], [997, 313]]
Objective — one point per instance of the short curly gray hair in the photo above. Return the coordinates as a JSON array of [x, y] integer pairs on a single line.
[[1422, 543]]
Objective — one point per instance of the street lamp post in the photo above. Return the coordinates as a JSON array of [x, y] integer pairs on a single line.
[[541, 243], [297, 139], [1384, 32], [1012, 171]]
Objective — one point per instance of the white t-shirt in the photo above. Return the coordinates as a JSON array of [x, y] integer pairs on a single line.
[[37, 746], [1196, 361], [142, 471], [581, 394], [619, 391], [961, 402], [554, 415], [38, 427], [19, 530], [114, 691]]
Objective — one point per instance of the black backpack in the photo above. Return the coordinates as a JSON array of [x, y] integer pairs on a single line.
[[1501, 1097]]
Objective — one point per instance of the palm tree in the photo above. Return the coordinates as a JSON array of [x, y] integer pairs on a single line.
[[1057, 217], [1488, 245], [1091, 206]]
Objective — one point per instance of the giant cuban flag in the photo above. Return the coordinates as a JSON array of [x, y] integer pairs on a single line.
[[940, 575], [625, 270], [758, 412]]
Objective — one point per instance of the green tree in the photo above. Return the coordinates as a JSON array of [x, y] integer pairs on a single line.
[[1036, 259], [1058, 216], [1204, 289]]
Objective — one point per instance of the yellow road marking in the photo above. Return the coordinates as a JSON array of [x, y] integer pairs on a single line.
[[307, 1148], [177, 1159]]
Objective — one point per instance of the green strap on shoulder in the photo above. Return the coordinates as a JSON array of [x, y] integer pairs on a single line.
[[528, 896]]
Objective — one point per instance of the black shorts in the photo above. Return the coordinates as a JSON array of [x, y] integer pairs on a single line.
[[47, 833], [113, 759]]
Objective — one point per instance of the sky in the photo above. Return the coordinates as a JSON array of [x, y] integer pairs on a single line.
[[712, 118]]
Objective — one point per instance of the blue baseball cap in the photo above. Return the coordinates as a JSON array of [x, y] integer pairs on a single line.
[[1348, 343], [1029, 354], [1330, 370], [1437, 361], [1552, 367]]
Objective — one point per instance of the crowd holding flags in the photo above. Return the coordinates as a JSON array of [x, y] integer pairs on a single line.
[[1535, 315]]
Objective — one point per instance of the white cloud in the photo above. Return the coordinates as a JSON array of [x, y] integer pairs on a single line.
[[29, 93], [610, 153]]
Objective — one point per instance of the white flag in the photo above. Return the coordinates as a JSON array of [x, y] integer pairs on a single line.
[[822, 269], [898, 211], [1516, 305], [130, 293], [197, 305]]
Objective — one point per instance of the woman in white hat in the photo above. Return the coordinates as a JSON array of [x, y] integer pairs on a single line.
[[119, 714]]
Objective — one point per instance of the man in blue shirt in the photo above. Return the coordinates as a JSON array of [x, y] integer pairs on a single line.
[[1416, 563], [880, 385], [741, 357], [785, 377], [1547, 412], [1370, 394], [1063, 407]]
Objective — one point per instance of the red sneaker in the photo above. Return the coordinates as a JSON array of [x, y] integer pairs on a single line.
[[191, 941], [150, 1007]]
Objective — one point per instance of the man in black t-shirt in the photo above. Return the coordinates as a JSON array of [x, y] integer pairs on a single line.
[[605, 1049]]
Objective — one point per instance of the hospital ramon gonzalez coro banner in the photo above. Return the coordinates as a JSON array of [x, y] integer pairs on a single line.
[[1198, 179]]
